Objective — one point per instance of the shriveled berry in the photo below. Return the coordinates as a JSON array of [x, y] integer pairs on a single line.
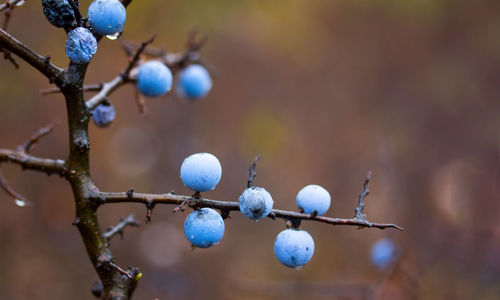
[[81, 45], [59, 13]]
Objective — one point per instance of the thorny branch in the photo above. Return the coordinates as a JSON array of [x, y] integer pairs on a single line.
[[172, 199]]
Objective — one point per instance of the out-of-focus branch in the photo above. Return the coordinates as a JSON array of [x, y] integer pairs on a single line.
[[107, 89], [171, 199], [20, 200], [134, 59], [118, 229], [8, 7], [175, 61], [39, 62]]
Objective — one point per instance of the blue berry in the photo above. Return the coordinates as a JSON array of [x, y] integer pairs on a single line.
[[204, 227], [59, 13], [154, 79], [104, 114], [313, 198], [255, 203], [107, 16], [81, 45], [194, 82], [383, 253], [201, 172], [294, 248]]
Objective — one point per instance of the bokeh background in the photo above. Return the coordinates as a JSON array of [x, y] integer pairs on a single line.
[[324, 91]]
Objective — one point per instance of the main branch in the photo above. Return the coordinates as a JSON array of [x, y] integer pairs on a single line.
[[172, 199]]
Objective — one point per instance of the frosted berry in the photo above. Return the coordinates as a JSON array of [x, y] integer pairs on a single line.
[[59, 13], [194, 82], [104, 114], [255, 203], [204, 227], [81, 45], [107, 17], [294, 248], [201, 172], [383, 253], [154, 79], [313, 198]]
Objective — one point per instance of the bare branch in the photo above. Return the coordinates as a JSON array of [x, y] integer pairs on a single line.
[[26, 161], [39, 62], [118, 229], [172, 199], [31, 143]]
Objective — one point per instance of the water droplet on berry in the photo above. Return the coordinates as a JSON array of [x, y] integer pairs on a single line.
[[114, 36], [20, 202]]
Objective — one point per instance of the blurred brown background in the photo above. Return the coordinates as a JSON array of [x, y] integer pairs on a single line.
[[324, 91]]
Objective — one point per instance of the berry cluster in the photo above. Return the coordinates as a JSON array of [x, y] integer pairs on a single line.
[[107, 17], [204, 227]]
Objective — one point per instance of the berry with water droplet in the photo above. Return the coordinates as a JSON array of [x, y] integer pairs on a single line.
[[107, 17]]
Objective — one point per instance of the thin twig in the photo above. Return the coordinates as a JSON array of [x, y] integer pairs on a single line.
[[361, 200], [31, 143], [141, 104], [134, 59], [252, 173], [20, 200], [118, 229]]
